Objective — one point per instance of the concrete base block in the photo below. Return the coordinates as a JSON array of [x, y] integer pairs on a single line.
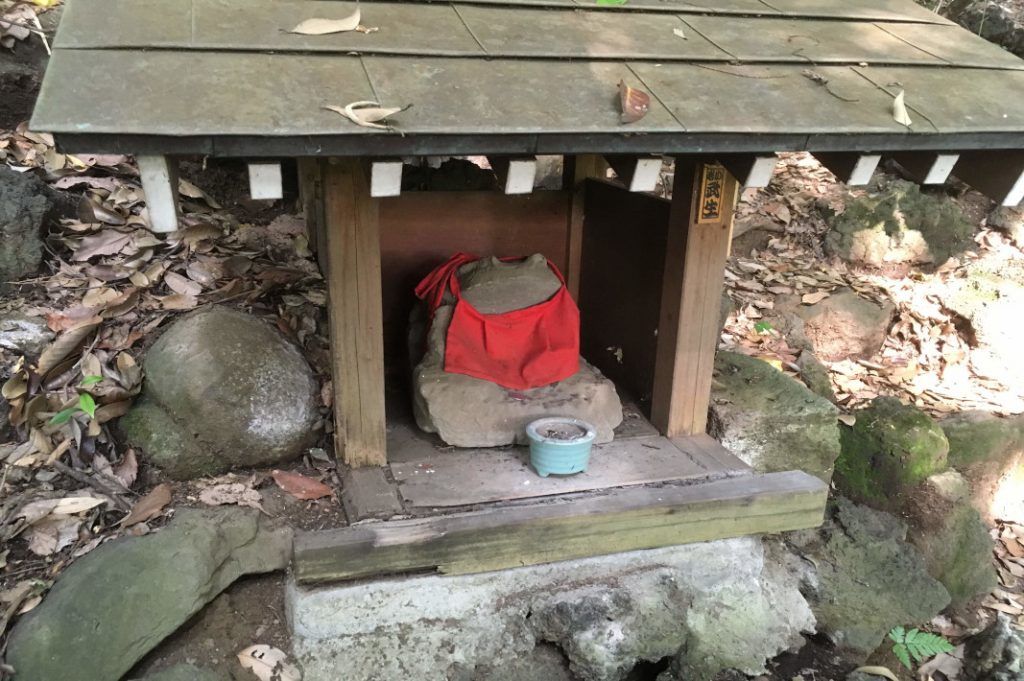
[[705, 606]]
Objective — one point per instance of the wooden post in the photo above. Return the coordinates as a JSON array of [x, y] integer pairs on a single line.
[[998, 175], [354, 292], [926, 167], [578, 169], [311, 196], [700, 225], [159, 175]]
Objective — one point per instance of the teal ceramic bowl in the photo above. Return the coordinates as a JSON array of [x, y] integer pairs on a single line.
[[560, 445]]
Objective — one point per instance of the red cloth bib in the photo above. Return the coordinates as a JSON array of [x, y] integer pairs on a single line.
[[522, 349]]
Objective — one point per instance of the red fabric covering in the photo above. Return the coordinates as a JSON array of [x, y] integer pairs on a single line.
[[522, 349]]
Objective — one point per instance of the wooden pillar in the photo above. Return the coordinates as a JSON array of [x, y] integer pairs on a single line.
[[700, 226], [352, 240], [577, 170]]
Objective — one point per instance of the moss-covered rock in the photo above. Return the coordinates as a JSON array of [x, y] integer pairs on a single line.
[[771, 421], [899, 225], [989, 451], [892, 448], [815, 376], [952, 537], [842, 326], [867, 577]]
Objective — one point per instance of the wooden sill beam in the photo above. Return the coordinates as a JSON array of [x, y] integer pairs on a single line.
[[625, 519]]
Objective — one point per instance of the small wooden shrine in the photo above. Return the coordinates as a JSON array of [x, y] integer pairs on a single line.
[[730, 83]]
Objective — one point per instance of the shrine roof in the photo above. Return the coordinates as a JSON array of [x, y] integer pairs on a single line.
[[227, 77]]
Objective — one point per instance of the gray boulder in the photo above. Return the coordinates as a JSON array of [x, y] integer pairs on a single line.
[[1007, 219], [117, 603], [897, 225], [26, 204], [866, 578], [24, 334], [995, 654], [989, 451], [842, 326], [771, 421], [223, 390], [1000, 23], [470, 412]]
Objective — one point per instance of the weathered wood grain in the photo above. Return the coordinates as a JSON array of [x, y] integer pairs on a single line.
[[808, 42], [695, 255], [476, 476], [352, 228], [528, 534]]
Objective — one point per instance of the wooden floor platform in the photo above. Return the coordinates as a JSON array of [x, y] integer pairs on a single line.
[[459, 511]]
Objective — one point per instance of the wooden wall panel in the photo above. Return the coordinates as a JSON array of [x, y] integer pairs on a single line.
[[624, 238], [419, 230]]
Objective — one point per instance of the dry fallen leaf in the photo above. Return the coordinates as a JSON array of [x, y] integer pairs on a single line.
[[128, 469], [878, 671], [181, 285], [268, 663], [367, 114], [948, 664], [231, 493], [328, 26], [679, 32], [53, 533], [37, 510], [149, 506], [899, 110], [300, 486], [635, 103]]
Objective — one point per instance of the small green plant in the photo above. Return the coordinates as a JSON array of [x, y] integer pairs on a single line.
[[86, 404], [916, 644], [763, 327]]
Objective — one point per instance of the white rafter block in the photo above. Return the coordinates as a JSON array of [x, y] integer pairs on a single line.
[[941, 168], [645, 175], [521, 175], [265, 181], [863, 169], [386, 178], [761, 171], [159, 176]]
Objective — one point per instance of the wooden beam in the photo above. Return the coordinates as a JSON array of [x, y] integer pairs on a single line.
[[265, 182], [998, 175], [159, 175], [926, 167], [750, 170], [386, 178], [351, 226], [700, 226], [852, 168], [577, 170], [625, 519], [638, 173], [515, 174]]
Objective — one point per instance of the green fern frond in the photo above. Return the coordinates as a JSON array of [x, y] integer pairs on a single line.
[[923, 645], [897, 634], [901, 653]]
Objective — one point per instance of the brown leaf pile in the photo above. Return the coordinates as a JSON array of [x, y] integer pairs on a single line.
[[925, 359]]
